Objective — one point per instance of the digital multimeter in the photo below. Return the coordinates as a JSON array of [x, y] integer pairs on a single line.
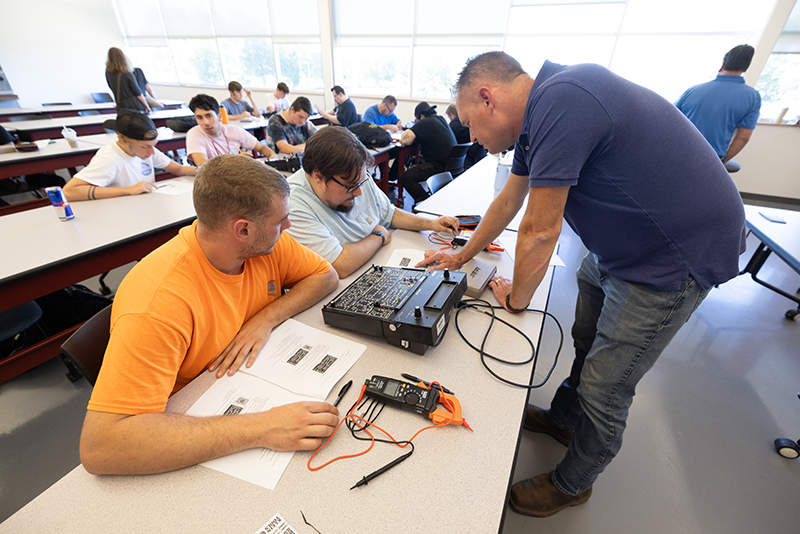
[[403, 394]]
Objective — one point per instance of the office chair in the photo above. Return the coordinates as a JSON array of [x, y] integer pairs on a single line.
[[85, 348], [100, 98], [57, 104], [455, 160], [732, 166], [438, 181]]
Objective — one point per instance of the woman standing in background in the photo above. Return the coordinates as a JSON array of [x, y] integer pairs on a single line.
[[119, 76]]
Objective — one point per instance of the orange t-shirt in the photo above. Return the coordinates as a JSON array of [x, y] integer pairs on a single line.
[[175, 313]]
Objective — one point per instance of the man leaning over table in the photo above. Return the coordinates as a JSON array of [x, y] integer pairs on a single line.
[[212, 138], [126, 166], [206, 301], [661, 218], [338, 211]]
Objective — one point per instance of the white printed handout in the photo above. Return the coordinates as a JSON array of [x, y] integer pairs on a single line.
[[173, 188], [405, 257], [298, 363]]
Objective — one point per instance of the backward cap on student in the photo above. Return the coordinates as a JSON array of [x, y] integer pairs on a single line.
[[335, 152], [235, 187]]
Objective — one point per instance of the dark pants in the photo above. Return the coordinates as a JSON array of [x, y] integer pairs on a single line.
[[410, 180]]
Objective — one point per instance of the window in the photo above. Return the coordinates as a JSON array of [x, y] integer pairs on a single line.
[[779, 82], [255, 42]]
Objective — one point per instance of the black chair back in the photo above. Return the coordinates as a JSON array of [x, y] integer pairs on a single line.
[[100, 98], [87, 346], [455, 160], [438, 181]]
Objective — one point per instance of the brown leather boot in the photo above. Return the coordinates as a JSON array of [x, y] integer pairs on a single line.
[[536, 420], [539, 497]]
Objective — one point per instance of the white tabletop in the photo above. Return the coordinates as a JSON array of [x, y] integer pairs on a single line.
[[470, 194], [55, 148], [783, 238], [456, 481], [91, 120], [38, 238]]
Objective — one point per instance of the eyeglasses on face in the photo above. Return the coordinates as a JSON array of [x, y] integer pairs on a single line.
[[350, 189]]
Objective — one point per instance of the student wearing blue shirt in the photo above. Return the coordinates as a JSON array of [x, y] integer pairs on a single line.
[[725, 107], [661, 218], [344, 114], [383, 115]]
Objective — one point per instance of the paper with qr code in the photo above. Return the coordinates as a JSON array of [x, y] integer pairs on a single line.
[[405, 257], [276, 525], [298, 363]]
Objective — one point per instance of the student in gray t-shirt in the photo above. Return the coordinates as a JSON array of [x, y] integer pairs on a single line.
[[236, 107], [336, 208]]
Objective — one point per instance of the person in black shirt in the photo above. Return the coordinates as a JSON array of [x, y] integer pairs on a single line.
[[344, 114], [436, 139], [476, 152], [119, 76]]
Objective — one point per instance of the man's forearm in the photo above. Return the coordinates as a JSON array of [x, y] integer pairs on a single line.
[[735, 147], [408, 221], [160, 442], [354, 255], [303, 295], [528, 274]]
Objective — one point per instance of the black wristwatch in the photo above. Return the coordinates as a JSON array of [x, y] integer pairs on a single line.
[[510, 308], [383, 237]]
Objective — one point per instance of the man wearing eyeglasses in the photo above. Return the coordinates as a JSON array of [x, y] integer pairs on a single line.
[[338, 211]]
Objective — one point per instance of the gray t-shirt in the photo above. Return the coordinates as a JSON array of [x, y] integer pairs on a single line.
[[236, 108], [325, 230]]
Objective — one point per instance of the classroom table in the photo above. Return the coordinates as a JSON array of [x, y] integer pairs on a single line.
[[456, 481], [45, 254], [93, 124], [73, 110], [382, 157], [782, 238], [470, 194], [57, 154]]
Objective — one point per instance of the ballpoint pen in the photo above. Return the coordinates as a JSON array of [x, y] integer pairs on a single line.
[[342, 392]]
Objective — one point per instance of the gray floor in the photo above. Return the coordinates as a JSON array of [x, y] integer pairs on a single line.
[[697, 457]]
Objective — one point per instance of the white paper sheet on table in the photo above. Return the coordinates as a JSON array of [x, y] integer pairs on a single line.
[[173, 188], [306, 362], [510, 244]]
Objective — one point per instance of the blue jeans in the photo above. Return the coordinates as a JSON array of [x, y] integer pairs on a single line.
[[620, 330]]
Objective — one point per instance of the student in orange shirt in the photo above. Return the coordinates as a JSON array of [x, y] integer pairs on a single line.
[[207, 300]]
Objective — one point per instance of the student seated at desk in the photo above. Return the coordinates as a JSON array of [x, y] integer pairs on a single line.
[[289, 129], [336, 208], [212, 138], [383, 115], [236, 107], [277, 100], [126, 166], [344, 114], [207, 300]]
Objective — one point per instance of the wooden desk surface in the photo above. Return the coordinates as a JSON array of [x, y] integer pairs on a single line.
[[469, 194], [456, 481]]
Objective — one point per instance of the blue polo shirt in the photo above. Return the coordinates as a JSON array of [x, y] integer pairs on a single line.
[[374, 116], [647, 195], [720, 106]]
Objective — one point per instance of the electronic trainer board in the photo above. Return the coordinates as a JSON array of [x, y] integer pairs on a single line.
[[409, 307]]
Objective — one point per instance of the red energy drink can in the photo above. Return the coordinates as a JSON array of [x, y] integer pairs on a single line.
[[60, 203]]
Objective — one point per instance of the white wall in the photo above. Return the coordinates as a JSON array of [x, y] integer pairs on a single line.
[[55, 50], [771, 162]]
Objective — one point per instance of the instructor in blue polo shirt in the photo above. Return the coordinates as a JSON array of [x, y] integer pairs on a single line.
[[725, 107], [661, 218]]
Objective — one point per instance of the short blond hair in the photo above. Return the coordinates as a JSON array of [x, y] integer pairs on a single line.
[[233, 186]]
